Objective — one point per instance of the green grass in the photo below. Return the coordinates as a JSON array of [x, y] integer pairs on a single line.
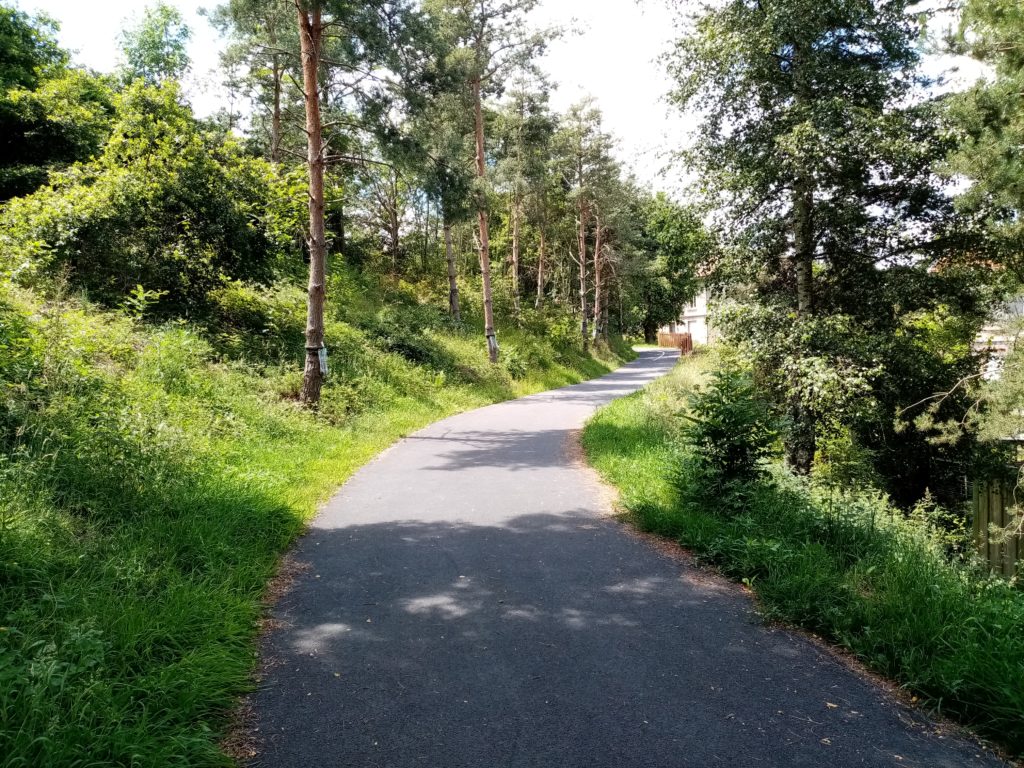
[[844, 564], [152, 476]]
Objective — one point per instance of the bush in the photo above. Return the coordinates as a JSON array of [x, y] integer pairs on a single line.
[[166, 206], [730, 431], [514, 361], [262, 323]]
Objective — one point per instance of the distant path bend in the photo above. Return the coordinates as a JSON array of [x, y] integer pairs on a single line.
[[468, 605]]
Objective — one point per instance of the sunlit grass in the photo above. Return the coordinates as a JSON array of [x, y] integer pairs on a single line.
[[148, 488]]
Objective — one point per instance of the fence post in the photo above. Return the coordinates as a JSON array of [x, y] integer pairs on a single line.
[[992, 504]]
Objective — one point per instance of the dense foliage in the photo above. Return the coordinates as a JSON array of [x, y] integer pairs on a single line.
[[990, 120], [165, 205], [846, 276], [50, 115]]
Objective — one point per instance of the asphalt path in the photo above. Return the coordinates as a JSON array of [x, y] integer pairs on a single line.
[[468, 603]]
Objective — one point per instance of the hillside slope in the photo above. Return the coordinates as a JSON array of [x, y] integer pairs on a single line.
[[152, 473]]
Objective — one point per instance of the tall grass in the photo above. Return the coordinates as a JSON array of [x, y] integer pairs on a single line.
[[845, 564], [151, 477]]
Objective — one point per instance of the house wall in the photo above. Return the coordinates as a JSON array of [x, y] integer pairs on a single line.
[[694, 320]]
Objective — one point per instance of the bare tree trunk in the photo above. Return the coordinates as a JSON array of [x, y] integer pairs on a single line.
[[339, 235], [425, 253], [540, 271], [597, 277], [582, 238], [802, 442], [453, 284], [482, 215], [515, 255], [650, 331], [393, 223], [803, 205], [310, 34], [275, 117]]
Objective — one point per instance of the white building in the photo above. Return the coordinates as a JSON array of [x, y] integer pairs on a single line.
[[694, 320], [999, 335]]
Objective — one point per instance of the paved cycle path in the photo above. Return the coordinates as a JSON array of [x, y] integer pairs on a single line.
[[468, 605]]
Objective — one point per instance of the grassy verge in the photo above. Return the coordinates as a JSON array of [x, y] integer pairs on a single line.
[[845, 565], [149, 483]]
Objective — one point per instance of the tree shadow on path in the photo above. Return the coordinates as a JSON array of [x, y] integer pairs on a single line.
[[553, 640]]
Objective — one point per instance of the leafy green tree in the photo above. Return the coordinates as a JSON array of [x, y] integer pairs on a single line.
[[155, 46], [583, 151], [49, 115], [443, 132], [28, 49], [990, 119], [524, 131], [262, 43], [165, 205], [841, 253], [674, 243], [66, 118], [489, 40], [381, 38]]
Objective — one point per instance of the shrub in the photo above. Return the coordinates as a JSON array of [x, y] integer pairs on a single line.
[[262, 323], [514, 361], [730, 431], [166, 206], [564, 333]]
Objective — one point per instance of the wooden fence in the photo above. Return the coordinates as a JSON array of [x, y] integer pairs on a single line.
[[994, 507], [681, 341]]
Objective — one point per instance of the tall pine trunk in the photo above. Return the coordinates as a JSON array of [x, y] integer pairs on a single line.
[[515, 254], [483, 220], [582, 238], [597, 278], [541, 277], [802, 442], [275, 116], [310, 37], [453, 284]]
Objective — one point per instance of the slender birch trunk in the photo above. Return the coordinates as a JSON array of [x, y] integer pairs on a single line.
[[582, 244], [540, 271], [483, 220], [453, 284], [597, 277], [310, 36], [393, 223], [515, 255]]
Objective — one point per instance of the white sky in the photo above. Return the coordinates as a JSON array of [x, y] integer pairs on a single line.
[[612, 56]]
